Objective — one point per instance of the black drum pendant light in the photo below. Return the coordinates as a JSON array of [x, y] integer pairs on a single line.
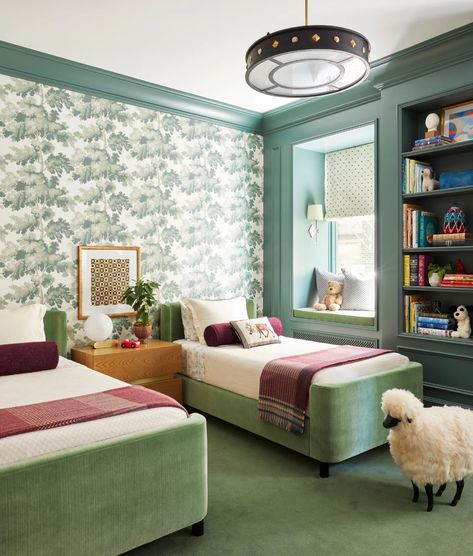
[[307, 61]]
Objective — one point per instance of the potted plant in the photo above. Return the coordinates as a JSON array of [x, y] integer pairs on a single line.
[[141, 298], [436, 272]]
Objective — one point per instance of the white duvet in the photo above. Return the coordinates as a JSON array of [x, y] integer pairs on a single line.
[[71, 379], [238, 370]]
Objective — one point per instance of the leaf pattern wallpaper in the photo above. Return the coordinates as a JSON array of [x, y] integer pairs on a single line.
[[82, 170]]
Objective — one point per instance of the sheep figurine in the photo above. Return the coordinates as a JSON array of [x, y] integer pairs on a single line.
[[431, 445]]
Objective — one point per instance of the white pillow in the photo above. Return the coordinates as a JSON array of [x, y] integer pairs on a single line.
[[22, 324], [358, 292], [214, 312], [188, 322]]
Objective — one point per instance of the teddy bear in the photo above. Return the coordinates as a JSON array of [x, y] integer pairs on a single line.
[[428, 181], [333, 298], [463, 323]]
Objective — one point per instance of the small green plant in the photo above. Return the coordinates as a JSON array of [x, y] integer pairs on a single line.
[[440, 269], [141, 298]]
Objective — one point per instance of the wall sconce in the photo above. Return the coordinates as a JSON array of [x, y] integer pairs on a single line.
[[314, 213]]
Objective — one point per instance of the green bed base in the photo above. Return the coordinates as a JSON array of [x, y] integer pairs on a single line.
[[55, 329], [106, 498], [345, 419]]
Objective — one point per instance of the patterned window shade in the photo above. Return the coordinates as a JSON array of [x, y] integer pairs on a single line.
[[349, 182]]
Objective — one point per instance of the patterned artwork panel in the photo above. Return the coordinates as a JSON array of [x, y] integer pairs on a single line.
[[109, 279], [81, 170]]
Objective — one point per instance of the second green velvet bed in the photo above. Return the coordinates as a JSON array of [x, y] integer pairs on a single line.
[[345, 419]]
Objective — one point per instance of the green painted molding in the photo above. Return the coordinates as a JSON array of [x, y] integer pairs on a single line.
[[421, 59], [18, 61]]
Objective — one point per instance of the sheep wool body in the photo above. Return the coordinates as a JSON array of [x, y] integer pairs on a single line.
[[431, 445]]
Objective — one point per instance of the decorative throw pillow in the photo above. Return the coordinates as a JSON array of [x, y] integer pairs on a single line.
[[206, 312], [188, 322], [222, 334], [28, 357], [255, 332], [321, 279], [22, 324], [358, 292]]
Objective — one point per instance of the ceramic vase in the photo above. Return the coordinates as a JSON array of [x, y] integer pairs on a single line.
[[142, 333], [434, 279]]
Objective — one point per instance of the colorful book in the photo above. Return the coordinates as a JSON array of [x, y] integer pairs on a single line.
[[454, 236], [414, 270], [424, 261], [427, 228], [435, 325], [407, 223], [406, 269], [435, 315], [458, 277], [434, 320], [418, 306], [464, 285], [433, 331], [432, 140]]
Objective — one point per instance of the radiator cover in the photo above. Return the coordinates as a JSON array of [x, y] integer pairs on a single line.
[[335, 339]]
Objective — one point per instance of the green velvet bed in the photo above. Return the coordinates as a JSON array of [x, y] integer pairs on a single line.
[[345, 419], [109, 497]]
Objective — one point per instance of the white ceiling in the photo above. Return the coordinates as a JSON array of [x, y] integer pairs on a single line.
[[200, 46]]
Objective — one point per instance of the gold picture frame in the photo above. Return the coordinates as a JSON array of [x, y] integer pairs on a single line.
[[104, 272], [457, 121]]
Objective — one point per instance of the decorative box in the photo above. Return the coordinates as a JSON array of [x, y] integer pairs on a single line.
[[456, 179]]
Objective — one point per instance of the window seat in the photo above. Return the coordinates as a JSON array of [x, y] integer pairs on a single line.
[[361, 318]]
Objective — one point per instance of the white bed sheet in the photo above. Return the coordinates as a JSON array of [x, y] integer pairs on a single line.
[[238, 370], [71, 379]]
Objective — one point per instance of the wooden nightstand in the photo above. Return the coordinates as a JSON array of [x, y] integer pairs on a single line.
[[153, 365]]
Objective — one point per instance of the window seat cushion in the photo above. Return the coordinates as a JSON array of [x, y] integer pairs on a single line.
[[361, 318]]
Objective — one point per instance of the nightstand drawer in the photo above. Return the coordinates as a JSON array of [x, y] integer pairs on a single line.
[[170, 386]]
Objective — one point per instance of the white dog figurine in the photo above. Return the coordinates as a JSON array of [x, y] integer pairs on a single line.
[[463, 323], [428, 181]]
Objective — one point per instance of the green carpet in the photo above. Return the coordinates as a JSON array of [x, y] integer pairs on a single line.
[[265, 499]]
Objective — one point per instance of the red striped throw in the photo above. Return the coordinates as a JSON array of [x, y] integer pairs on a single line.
[[67, 411], [285, 383]]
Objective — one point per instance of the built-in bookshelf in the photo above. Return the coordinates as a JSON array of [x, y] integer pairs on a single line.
[[418, 296]]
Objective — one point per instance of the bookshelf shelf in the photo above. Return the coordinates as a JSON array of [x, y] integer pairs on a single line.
[[440, 249], [444, 150], [444, 339], [436, 289], [451, 191]]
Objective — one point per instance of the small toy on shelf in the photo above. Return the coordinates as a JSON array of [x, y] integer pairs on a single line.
[[130, 344], [463, 323], [428, 181], [333, 298]]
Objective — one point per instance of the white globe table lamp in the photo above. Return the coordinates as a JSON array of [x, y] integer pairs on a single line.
[[98, 328]]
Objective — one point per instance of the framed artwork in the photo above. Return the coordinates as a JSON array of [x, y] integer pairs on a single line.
[[104, 274], [457, 121]]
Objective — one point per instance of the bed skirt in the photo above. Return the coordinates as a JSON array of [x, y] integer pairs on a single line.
[[344, 419], [106, 498]]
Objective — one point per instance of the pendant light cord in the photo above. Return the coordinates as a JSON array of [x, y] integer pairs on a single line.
[[306, 12]]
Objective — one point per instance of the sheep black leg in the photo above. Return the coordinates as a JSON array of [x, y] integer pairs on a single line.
[[458, 493], [441, 489], [430, 497], [324, 470], [415, 488]]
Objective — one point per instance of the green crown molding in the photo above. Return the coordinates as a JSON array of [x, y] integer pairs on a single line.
[[18, 61], [453, 47]]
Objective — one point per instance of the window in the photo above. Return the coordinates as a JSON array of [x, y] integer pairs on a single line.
[[354, 245]]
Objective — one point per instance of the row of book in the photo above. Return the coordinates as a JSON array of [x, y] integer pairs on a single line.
[[430, 142], [457, 281], [419, 226], [412, 175], [415, 269], [423, 317], [461, 238]]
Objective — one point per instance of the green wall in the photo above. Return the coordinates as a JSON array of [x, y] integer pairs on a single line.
[[442, 67]]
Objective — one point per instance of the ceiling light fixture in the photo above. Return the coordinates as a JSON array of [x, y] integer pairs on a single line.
[[307, 61]]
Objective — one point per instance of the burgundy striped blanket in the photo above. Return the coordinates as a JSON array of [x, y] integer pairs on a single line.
[[67, 411], [285, 383]]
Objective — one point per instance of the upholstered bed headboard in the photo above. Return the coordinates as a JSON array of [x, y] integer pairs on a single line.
[[170, 320], [55, 328]]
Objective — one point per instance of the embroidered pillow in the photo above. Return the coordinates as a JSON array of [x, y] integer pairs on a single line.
[[255, 332], [222, 334], [22, 324], [358, 292], [188, 322], [206, 312], [28, 357]]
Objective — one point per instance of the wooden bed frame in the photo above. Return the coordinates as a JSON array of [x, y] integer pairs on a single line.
[[109, 497], [345, 419]]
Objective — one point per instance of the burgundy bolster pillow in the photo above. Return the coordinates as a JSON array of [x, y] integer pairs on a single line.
[[223, 334], [28, 357]]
